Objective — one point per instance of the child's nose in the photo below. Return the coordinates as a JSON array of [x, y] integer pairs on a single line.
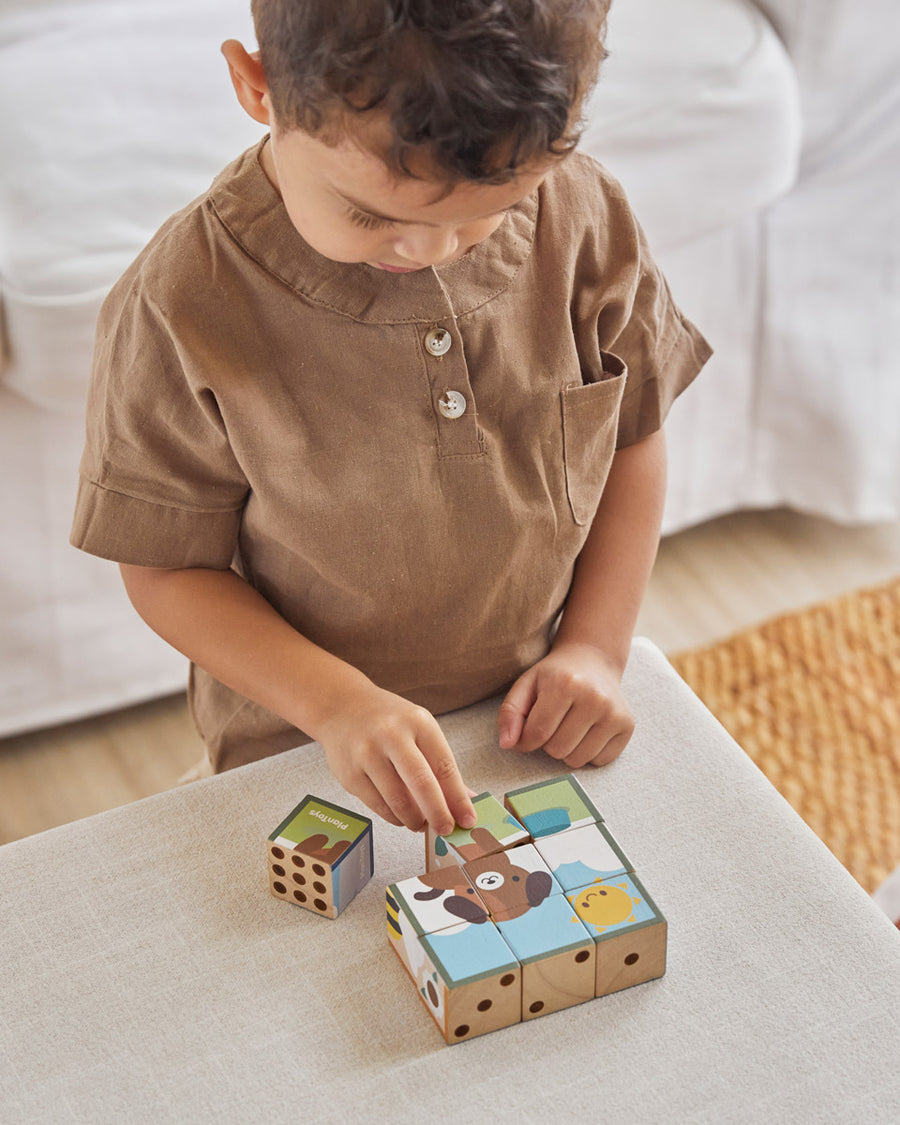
[[427, 246]]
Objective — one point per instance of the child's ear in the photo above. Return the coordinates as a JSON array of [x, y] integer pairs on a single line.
[[248, 80]]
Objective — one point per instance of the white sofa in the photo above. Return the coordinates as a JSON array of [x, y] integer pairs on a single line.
[[759, 143]]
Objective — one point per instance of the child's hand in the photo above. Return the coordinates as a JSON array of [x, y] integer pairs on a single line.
[[393, 756], [571, 704]]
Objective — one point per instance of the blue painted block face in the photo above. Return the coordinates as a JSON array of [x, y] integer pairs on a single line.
[[550, 928], [582, 855], [468, 952], [611, 906]]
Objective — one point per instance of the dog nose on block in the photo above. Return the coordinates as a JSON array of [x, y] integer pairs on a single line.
[[320, 856]]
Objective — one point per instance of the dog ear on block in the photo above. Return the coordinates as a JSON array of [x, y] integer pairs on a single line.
[[436, 901], [495, 831], [320, 856], [556, 953], [552, 806], [628, 929]]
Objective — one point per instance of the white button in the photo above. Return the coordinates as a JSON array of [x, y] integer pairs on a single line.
[[452, 404], [438, 341]]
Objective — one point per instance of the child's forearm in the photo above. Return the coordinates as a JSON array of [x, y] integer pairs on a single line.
[[385, 750], [614, 567], [218, 621]]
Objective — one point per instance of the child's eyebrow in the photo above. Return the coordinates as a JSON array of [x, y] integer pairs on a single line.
[[366, 210]]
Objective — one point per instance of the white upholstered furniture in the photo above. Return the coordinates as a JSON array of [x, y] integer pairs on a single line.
[[148, 974], [758, 141]]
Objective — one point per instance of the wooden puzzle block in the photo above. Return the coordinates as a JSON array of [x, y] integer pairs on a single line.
[[513, 881], [628, 929], [466, 976], [581, 855], [556, 953], [320, 856], [495, 831], [436, 900], [552, 913], [552, 806]]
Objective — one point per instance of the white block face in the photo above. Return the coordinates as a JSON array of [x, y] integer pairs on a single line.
[[439, 900], [582, 855]]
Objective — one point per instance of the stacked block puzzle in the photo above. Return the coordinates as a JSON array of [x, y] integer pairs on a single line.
[[534, 909], [320, 856]]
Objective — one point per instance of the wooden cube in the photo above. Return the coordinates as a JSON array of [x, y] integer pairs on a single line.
[[435, 901], [556, 953], [320, 856], [552, 806], [466, 975], [581, 855], [628, 929], [513, 881], [495, 831], [475, 982]]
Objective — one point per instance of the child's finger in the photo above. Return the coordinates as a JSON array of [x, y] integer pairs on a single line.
[[608, 752], [576, 726], [450, 804], [543, 721], [514, 710], [369, 795], [395, 792]]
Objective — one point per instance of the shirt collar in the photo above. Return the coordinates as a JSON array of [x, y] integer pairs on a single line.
[[252, 211]]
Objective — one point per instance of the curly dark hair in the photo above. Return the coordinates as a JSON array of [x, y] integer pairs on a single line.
[[483, 87]]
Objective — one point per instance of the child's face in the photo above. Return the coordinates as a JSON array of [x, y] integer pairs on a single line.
[[348, 205]]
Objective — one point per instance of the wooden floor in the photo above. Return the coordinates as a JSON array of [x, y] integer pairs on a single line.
[[709, 582]]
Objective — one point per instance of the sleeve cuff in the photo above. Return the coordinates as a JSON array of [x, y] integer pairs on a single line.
[[128, 530]]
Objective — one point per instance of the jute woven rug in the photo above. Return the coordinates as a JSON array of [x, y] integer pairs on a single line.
[[814, 698]]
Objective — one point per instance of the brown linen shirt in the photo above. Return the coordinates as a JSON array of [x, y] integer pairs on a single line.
[[258, 406]]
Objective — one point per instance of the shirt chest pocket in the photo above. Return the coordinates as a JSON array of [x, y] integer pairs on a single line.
[[590, 415]]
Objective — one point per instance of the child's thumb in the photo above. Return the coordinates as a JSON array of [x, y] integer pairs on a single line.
[[514, 711]]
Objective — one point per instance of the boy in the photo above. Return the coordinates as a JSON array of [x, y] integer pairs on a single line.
[[373, 412]]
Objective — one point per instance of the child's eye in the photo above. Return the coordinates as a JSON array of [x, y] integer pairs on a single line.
[[369, 222]]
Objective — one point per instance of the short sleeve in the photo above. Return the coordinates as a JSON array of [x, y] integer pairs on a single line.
[[638, 319], [159, 484]]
